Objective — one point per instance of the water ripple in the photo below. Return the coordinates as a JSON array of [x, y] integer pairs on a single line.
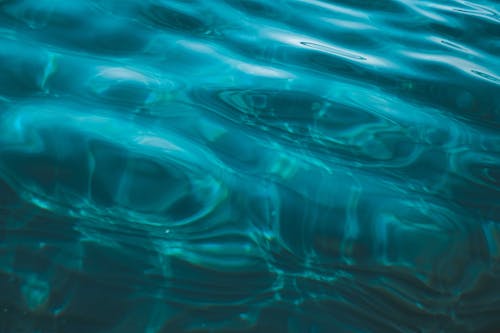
[[251, 166]]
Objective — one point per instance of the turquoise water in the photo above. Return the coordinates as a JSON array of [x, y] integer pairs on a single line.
[[249, 166]]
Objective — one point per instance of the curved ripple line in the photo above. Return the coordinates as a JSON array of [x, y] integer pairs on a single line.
[[155, 175]]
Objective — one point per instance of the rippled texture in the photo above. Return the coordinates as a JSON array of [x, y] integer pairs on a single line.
[[249, 166]]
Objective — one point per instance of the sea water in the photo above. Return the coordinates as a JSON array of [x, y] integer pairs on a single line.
[[249, 166]]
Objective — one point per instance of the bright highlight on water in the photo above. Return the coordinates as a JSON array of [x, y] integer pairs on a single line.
[[249, 166]]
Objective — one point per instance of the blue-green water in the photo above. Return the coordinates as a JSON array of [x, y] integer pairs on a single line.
[[249, 166]]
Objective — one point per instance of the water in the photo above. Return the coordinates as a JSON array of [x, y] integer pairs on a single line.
[[249, 166]]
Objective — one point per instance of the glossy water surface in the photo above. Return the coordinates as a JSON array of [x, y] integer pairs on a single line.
[[249, 166]]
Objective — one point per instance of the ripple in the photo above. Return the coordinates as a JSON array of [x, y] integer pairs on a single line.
[[453, 45], [256, 166], [67, 25], [335, 51], [457, 63], [475, 9], [118, 85], [153, 179], [24, 74], [487, 76], [175, 17]]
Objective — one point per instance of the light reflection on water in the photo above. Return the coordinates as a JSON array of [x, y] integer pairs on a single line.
[[222, 166]]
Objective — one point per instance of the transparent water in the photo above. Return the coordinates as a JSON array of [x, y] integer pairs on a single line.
[[249, 166]]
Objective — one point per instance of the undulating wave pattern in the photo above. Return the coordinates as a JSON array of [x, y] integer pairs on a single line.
[[249, 166]]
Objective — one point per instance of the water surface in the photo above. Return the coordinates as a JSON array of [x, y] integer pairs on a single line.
[[249, 166]]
